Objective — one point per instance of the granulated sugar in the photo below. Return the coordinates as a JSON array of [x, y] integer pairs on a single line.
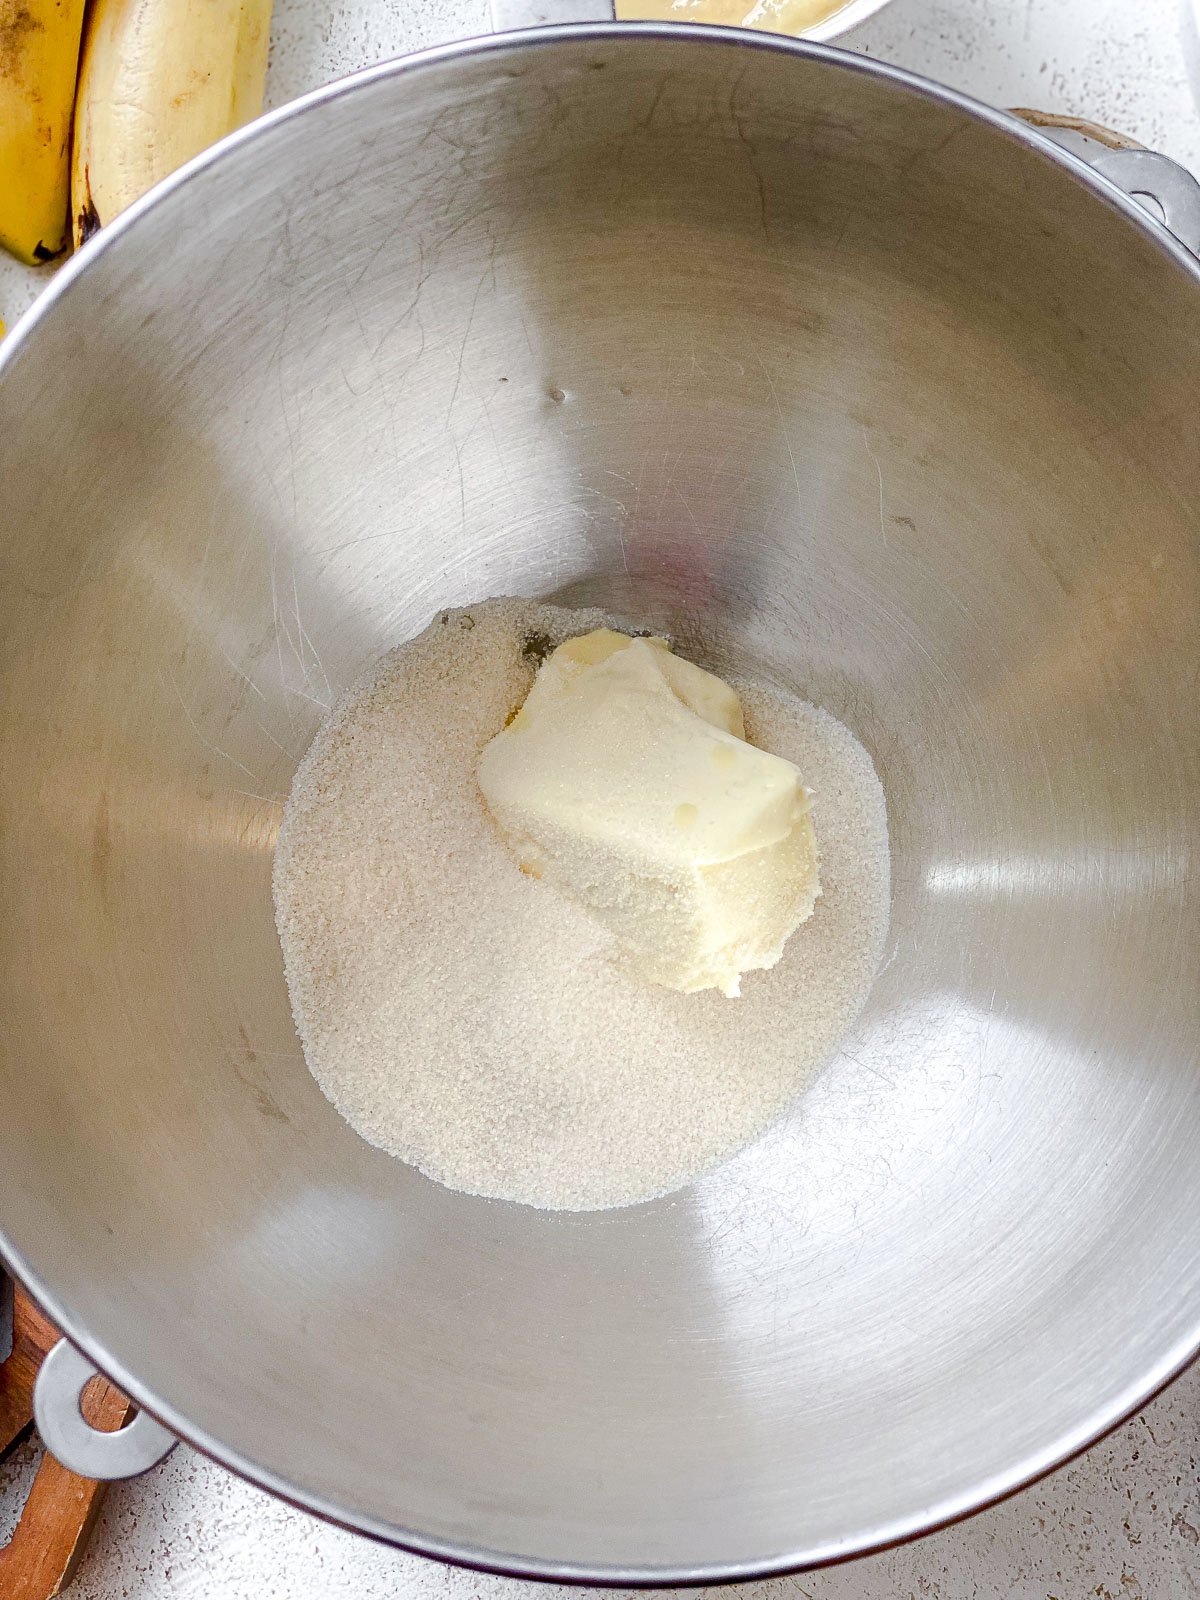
[[470, 1019]]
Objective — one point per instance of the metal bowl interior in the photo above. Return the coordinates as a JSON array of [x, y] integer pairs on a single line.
[[820, 369]]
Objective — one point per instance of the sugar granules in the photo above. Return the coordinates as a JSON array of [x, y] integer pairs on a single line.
[[469, 1019]]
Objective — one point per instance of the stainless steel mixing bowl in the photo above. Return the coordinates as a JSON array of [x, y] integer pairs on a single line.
[[822, 370]]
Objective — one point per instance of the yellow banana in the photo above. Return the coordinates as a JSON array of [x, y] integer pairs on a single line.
[[159, 81], [39, 57]]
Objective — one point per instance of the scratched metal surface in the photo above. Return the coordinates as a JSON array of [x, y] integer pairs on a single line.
[[1131, 64], [905, 433]]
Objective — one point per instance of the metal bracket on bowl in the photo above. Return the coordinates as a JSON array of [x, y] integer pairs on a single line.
[[82, 1449], [1164, 189], [1145, 174]]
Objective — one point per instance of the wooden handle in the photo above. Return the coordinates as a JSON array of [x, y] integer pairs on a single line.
[[33, 1335], [40, 1559]]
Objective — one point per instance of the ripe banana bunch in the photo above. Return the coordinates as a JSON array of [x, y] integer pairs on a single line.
[[39, 56], [160, 80], [156, 82]]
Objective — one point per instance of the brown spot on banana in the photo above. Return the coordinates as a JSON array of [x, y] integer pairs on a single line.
[[17, 22], [87, 221]]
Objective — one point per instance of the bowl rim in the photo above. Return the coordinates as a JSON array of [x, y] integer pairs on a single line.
[[981, 1495]]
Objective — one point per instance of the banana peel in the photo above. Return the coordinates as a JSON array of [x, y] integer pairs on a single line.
[[39, 59], [159, 81]]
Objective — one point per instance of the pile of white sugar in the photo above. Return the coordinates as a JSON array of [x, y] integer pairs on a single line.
[[470, 1019]]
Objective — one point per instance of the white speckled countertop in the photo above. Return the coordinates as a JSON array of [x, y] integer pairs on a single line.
[[1123, 1523]]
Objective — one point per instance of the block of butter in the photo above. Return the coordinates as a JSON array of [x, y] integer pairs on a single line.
[[625, 779]]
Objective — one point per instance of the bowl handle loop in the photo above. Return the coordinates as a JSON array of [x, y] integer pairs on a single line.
[[1147, 173], [1164, 190], [82, 1449]]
